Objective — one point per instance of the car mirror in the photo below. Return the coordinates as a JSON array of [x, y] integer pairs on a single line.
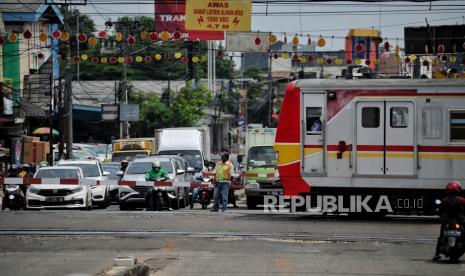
[[180, 172], [119, 173], [190, 170]]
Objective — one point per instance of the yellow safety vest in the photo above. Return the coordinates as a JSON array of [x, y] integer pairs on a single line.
[[223, 172]]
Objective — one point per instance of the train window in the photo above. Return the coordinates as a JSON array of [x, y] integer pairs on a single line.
[[457, 126], [399, 117], [313, 120], [370, 117], [432, 118]]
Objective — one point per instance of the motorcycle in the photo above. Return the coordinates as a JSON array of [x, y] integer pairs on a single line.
[[13, 199], [453, 241], [159, 197], [204, 183]]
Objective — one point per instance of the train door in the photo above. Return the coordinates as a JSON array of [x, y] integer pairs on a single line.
[[369, 148], [385, 138], [313, 123], [400, 138]]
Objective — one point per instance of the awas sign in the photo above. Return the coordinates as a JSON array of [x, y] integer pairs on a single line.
[[225, 15], [170, 17]]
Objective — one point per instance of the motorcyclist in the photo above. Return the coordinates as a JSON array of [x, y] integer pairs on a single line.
[[15, 171], [156, 173], [196, 191], [22, 172], [452, 210], [124, 165]]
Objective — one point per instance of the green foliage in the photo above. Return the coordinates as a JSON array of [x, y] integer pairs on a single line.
[[189, 104], [187, 107], [152, 111]]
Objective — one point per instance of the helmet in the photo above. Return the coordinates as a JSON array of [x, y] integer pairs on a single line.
[[14, 167], [225, 155], [125, 162], [43, 164], [453, 187], [156, 164]]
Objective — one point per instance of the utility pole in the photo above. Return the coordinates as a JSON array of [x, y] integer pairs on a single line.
[[68, 116], [124, 132], [270, 91], [77, 44], [60, 122], [50, 122]]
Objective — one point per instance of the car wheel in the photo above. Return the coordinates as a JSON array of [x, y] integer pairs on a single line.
[[182, 203], [251, 202], [175, 204], [123, 207]]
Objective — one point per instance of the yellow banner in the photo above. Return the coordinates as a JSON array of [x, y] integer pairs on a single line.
[[218, 15]]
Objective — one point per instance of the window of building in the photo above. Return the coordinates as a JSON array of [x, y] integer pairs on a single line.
[[313, 120], [399, 117], [457, 126], [370, 117]]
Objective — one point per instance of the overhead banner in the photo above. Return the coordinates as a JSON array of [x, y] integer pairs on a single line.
[[170, 17], [214, 15]]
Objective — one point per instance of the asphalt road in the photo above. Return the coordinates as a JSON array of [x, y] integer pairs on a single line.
[[197, 242]]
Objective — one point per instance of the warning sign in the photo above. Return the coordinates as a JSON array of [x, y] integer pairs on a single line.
[[219, 15]]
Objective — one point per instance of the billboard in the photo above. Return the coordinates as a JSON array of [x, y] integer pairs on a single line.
[[129, 112], [214, 15], [170, 16]]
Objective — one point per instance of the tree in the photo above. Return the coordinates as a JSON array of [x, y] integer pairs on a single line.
[[153, 113], [189, 104], [187, 108]]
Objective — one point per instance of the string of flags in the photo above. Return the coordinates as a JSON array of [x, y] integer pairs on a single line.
[[304, 57]]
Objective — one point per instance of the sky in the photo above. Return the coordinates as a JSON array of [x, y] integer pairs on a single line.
[[329, 19]]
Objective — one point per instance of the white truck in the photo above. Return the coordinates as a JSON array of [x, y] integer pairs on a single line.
[[193, 143], [261, 176]]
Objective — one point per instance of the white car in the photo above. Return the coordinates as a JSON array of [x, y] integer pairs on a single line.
[[40, 196], [93, 169]]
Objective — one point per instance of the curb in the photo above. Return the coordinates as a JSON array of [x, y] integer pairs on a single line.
[[126, 266]]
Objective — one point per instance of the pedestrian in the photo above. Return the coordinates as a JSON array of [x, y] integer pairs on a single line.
[[223, 179]]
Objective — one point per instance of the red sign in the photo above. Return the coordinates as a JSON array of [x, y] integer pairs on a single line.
[[170, 16]]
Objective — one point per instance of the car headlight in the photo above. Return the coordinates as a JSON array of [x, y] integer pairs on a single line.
[[33, 190], [77, 189]]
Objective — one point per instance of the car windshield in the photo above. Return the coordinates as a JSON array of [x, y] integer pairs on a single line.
[[262, 156], [112, 169], [82, 154], [120, 156], [57, 173], [94, 149], [144, 167], [89, 170], [193, 157]]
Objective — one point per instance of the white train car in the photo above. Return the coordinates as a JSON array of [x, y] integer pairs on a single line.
[[404, 139]]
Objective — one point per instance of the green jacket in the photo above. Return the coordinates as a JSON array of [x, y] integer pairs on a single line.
[[152, 175]]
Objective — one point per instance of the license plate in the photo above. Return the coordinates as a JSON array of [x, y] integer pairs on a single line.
[[453, 233], [55, 199]]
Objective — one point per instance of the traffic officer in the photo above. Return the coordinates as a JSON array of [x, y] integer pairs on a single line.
[[223, 179]]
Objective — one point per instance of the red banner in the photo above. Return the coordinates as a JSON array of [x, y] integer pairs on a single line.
[[170, 16]]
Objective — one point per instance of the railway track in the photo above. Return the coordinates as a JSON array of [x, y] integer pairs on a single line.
[[236, 235]]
